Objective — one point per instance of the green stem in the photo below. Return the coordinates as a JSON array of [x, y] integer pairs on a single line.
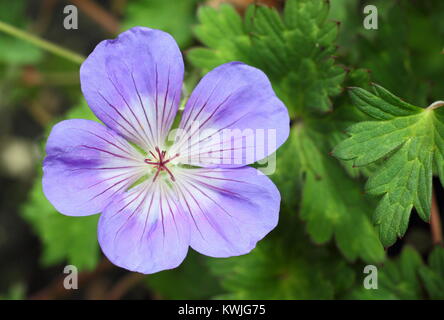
[[41, 43]]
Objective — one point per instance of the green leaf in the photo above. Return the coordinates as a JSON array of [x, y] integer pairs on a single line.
[[389, 52], [433, 274], [295, 50], [174, 17], [410, 143], [71, 239], [191, 280], [344, 211], [397, 279], [18, 52], [283, 269], [15, 292], [407, 276]]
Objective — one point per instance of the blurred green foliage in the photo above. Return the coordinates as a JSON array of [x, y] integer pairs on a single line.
[[408, 278], [294, 50], [16, 292], [172, 16], [14, 54], [191, 280], [16, 51], [285, 267]]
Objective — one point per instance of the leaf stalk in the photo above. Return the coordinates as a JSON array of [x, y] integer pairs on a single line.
[[436, 105], [41, 43], [435, 222]]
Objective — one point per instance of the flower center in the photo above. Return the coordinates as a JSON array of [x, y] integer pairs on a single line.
[[159, 162]]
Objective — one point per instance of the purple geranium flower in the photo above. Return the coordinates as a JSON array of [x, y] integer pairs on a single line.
[[158, 197]]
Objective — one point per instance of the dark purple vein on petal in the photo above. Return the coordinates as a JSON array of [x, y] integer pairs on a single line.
[[180, 143], [107, 141], [109, 178], [189, 211], [144, 191], [131, 110], [138, 137], [203, 106], [157, 107], [147, 214], [210, 221], [162, 217], [144, 111], [106, 151], [172, 214], [162, 124], [210, 198], [110, 187]]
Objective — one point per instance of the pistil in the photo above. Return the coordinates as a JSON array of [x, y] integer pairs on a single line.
[[160, 161]]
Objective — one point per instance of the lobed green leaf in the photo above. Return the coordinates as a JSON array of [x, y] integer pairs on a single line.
[[409, 142]]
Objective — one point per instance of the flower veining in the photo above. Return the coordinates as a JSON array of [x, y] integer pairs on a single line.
[[200, 192]]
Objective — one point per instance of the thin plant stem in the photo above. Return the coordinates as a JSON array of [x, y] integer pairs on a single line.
[[99, 15], [436, 105], [435, 221], [126, 283], [41, 43]]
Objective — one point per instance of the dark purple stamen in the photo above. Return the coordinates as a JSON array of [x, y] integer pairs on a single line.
[[160, 162]]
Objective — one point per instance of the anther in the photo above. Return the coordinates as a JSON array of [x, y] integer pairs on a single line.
[[160, 163]]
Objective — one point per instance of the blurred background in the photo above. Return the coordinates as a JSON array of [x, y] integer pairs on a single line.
[[39, 88]]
